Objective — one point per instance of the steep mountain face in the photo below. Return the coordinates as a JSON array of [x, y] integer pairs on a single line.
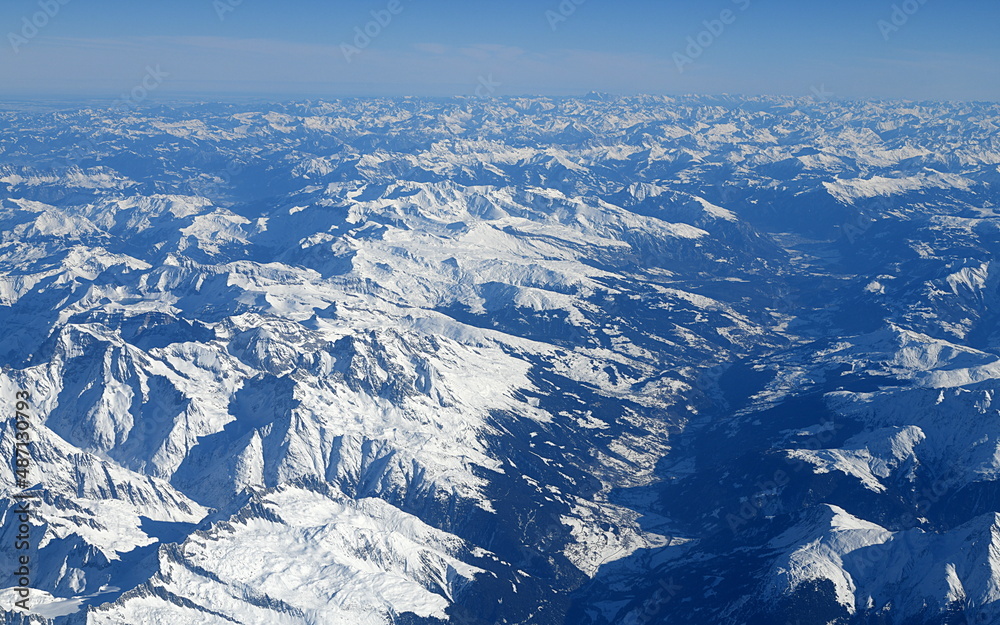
[[521, 361]]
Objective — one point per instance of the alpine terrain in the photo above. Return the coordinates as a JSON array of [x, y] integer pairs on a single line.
[[519, 361]]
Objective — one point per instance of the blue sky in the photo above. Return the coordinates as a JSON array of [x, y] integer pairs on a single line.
[[929, 49]]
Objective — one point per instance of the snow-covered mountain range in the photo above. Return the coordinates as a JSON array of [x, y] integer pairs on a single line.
[[524, 361]]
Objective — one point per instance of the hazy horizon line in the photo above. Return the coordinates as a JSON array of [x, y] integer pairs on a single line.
[[227, 97]]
